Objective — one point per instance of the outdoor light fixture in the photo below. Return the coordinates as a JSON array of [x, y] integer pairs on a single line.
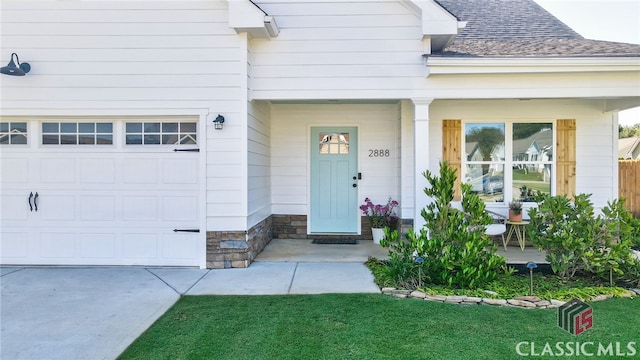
[[217, 123], [531, 265], [15, 68]]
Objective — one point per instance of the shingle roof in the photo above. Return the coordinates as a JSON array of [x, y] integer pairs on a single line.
[[521, 28]]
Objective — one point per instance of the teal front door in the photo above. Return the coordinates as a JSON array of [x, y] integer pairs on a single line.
[[334, 180]]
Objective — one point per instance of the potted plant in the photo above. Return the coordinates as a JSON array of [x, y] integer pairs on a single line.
[[380, 216], [515, 211]]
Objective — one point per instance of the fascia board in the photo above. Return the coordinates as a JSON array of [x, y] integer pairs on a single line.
[[449, 65], [245, 16], [435, 19]]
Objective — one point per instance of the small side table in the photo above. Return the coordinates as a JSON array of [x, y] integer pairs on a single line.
[[518, 228]]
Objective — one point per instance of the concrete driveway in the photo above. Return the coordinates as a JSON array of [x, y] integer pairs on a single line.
[[81, 313], [95, 313]]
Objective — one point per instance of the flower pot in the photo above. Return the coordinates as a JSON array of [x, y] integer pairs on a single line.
[[513, 217], [378, 234]]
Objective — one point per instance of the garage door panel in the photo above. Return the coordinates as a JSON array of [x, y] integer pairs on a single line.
[[97, 245], [140, 208], [97, 208], [100, 205], [140, 171], [57, 245], [14, 170], [56, 207], [140, 246], [97, 171], [179, 171], [14, 207], [179, 246], [57, 171], [14, 245], [180, 208]]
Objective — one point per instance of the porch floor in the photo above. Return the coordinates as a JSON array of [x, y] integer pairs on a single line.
[[302, 250]]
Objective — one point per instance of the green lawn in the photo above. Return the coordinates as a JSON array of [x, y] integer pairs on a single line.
[[366, 326]]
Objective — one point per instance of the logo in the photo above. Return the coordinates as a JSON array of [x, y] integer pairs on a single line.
[[575, 317]]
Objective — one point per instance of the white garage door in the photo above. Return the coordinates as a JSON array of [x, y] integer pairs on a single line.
[[100, 192]]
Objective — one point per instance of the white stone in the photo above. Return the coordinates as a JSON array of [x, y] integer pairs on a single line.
[[521, 303]]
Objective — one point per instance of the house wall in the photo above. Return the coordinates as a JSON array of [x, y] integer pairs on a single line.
[[378, 128], [596, 166], [339, 50], [147, 58], [259, 162]]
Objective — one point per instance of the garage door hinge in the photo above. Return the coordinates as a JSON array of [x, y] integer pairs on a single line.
[[187, 230], [193, 150]]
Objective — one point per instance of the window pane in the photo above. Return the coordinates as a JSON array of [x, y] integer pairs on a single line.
[[86, 139], [188, 127], [4, 127], [86, 128], [104, 139], [533, 142], [170, 127], [152, 127], [484, 142], [68, 127], [50, 139], [22, 127], [188, 139], [104, 127], [18, 139], [152, 139], [334, 143], [50, 127], [529, 179], [134, 127], [487, 181], [69, 139], [134, 139], [170, 139]]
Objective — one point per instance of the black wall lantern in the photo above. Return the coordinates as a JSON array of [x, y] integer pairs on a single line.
[[217, 123], [15, 68]]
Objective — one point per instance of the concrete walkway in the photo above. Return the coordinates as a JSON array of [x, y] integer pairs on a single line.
[[96, 312]]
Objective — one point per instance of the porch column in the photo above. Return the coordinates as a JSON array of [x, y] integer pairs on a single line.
[[421, 157]]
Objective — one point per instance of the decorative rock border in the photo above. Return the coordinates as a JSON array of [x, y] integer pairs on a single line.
[[525, 302]]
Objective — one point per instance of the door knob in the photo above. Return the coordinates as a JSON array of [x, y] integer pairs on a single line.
[[355, 185]]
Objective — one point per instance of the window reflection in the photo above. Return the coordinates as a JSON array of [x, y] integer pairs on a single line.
[[334, 143], [532, 159], [487, 181], [484, 142]]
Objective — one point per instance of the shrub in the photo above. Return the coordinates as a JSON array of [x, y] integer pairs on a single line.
[[576, 240], [453, 243]]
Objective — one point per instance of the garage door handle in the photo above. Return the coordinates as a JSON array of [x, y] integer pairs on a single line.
[[35, 201], [30, 197]]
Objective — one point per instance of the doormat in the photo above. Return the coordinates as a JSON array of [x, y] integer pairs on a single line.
[[335, 241]]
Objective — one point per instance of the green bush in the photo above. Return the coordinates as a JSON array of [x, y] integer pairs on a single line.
[[576, 240], [453, 244]]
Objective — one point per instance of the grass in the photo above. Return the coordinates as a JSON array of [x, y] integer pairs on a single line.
[[363, 326]]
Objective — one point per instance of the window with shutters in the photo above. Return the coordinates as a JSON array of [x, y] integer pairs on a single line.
[[506, 161]]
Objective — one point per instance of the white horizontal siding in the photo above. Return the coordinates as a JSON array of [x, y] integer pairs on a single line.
[[84, 54], [338, 50], [378, 128], [259, 162]]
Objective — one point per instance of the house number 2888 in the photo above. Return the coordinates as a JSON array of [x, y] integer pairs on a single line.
[[378, 152]]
